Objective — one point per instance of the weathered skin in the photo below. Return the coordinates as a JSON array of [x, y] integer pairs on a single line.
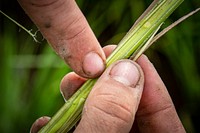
[[155, 114], [64, 26], [126, 93]]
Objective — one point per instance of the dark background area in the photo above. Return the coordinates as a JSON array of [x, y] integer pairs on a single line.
[[31, 72]]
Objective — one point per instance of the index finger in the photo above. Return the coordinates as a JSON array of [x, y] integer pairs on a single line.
[[66, 29]]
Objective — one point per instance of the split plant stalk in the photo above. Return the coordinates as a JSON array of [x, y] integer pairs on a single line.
[[136, 39]]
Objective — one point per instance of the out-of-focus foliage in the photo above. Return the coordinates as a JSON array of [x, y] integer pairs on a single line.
[[29, 81], [31, 72]]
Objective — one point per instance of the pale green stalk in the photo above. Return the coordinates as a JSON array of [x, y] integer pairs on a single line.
[[135, 40]]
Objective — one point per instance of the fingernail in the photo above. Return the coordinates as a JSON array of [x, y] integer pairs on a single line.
[[126, 73], [39, 123], [93, 65], [64, 94]]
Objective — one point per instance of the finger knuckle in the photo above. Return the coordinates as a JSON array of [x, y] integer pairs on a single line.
[[115, 108]]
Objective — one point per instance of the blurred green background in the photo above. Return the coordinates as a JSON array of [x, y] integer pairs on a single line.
[[30, 72]]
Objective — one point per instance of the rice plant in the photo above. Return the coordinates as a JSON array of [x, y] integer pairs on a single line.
[[26, 94]]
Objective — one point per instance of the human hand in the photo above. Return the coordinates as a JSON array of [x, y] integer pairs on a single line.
[[62, 23], [112, 105], [113, 102]]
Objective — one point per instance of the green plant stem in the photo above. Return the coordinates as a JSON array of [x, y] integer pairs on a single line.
[[135, 40]]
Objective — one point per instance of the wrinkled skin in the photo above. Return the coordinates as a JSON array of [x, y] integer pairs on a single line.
[[128, 97], [112, 106], [62, 23]]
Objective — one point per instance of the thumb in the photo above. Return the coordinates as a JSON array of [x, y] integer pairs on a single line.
[[112, 104]]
